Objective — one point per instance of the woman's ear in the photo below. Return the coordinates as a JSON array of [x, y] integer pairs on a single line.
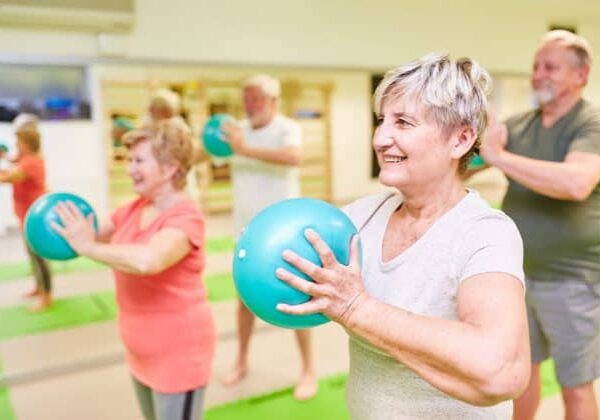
[[462, 141], [169, 170]]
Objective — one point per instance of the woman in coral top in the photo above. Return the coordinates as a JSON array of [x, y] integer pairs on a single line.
[[28, 179], [155, 244]]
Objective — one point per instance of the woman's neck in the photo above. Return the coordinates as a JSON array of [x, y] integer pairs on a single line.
[[166, 199], [431, 204]]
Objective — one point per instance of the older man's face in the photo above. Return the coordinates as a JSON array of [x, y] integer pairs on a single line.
[[555, 74], [259, 107]]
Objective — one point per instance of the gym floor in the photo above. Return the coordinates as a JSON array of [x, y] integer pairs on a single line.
[[78, 372]]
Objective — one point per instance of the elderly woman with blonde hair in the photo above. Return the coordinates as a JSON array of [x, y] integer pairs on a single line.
[[435, 307], [155, 245]]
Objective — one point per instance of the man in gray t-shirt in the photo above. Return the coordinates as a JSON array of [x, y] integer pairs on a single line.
[[551, 156]]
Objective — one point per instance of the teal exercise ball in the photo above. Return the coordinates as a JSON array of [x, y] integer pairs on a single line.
[[3, 148], [213, 137], [258, 254], [40, 236], [476, 162]]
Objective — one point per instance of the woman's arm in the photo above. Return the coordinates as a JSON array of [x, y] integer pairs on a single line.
[[14, 175], [167, 247], [105, 232], [481, 358]]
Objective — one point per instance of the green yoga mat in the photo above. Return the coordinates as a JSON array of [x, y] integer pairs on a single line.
[[328, 404], [69, 312], [6, 410], [80, 310], [22, 270]]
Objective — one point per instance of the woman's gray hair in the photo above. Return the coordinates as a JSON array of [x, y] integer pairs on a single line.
[[454, 93], [267, 84], [580, 47]]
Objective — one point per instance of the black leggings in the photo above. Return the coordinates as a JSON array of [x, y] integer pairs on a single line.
[[40, 270]]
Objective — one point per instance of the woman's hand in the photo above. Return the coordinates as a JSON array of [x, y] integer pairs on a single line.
[[77, 230], [337, 289]]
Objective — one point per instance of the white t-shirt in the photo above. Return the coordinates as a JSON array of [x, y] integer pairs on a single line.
[[471, 238], [258, 184]]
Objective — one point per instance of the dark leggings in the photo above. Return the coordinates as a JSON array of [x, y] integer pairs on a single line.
[[40, 270]]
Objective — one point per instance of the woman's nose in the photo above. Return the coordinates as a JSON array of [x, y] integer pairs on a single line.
[[382, 137]]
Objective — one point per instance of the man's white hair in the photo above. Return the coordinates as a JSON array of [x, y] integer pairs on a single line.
[[25, 122], [166, 98], [453, 93], [580, 47], [267, 84]]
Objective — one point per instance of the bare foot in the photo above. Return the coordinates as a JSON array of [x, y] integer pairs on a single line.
[[33, 293], [306, 388], [43, 303], [235, 376]]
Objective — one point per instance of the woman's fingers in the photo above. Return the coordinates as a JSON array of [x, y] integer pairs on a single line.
[[325, 253], [305, 286], [63, 213], [311, 307], [58, 228], [307, 267]]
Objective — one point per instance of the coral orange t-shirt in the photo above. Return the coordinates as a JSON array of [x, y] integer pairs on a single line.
[[165, 320], [28, 190]]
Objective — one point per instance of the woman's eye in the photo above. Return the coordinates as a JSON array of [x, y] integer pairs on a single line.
[[401, 122]]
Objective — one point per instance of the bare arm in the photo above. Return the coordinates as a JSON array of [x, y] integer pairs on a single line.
[[105, 232], [288, 155], [573, 179], [165, 248], [12, 176], [481, 358]]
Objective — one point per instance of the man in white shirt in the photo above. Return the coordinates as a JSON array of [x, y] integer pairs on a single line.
[[267, 152]]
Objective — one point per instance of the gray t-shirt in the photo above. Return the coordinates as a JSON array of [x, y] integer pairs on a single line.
[[562, 238], [471, 238]]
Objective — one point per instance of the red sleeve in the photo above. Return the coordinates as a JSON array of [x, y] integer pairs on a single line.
[[191, 222]]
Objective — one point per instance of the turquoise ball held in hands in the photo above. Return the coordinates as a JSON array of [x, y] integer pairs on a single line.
[[258, 255], [40, 235], [213, 137]]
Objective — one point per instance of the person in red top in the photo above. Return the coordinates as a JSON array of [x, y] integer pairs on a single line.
[[28, 179], [155, 245]]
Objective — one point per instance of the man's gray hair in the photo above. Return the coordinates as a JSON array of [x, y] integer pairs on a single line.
[[454, 93], [267, 84], [580, 47]]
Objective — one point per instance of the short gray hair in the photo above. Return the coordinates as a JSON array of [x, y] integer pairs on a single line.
[[166, 98], [267, 84], [454, 93], [580, 47]]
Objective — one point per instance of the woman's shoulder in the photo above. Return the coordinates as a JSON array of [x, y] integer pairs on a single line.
[[482, 219], [368, 204]]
